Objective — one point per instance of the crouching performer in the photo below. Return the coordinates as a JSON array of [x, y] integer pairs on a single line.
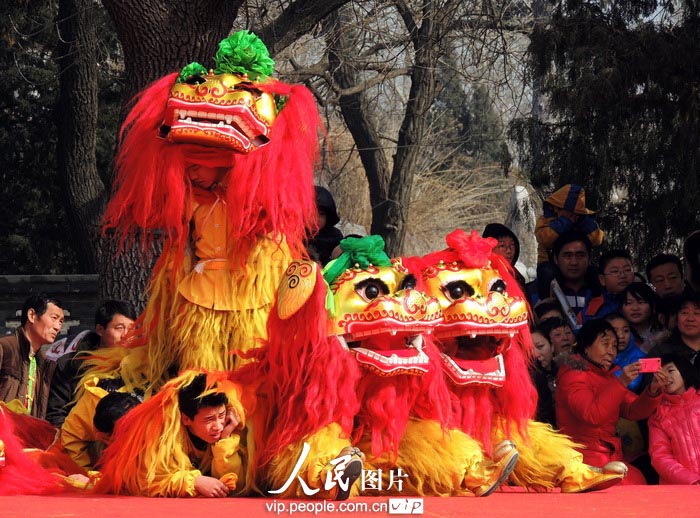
[[184, 441], [486, 349]]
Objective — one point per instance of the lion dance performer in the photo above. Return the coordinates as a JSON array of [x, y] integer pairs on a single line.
[[486, 350], [305, 382], [221, 162], [184, 441], [390, 380]]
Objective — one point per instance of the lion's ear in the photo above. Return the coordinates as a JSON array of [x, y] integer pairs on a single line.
[[296, 287]]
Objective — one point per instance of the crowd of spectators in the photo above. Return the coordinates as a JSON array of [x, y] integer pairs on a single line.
[[592, 323]]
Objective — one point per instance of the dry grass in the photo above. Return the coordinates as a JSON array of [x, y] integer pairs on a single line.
[[464, 196]]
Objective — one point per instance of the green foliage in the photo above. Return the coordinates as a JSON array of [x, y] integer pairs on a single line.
[[624, 119], [33, 222], [32, 218], [191, 70]]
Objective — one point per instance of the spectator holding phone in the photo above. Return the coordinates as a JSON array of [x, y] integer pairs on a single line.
[[674, 429], [591, 399]]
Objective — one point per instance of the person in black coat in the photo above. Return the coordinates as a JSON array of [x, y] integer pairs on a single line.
[[321, 245]]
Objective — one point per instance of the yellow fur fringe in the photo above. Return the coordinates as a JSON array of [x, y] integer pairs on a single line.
[[546, 458], [325, 445], [438, 462], [192, 336]]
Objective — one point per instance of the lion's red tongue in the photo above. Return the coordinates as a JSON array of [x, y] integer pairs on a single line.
[[388, 344]]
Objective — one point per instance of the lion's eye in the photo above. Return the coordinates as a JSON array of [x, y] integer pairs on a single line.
[[457, 290], [195, 80], [497, 285], [370, 289], [409, 283]]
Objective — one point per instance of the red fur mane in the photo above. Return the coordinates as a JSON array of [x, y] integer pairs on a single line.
[[387, 402], [270, 191], [309, 378], [21, 475]]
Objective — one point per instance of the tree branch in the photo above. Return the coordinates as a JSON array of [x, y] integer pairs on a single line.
[[296, 20]]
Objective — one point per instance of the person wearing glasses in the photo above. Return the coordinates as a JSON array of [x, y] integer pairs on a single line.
[[616, 272]]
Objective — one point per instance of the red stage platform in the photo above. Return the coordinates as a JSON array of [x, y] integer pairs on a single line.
[[617, 502]]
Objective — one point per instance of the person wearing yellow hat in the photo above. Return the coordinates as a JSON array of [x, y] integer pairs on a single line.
[[563, 210]]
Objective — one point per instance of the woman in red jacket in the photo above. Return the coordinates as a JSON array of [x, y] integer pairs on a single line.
[[590, 398]]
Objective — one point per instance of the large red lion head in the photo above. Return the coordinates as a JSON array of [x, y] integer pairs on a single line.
[[484, 339]]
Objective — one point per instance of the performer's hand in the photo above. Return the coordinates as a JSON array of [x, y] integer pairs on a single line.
[[210, 487], [231, 423]]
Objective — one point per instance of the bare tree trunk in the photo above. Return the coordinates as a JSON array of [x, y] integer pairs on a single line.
[[393, 215], [162, 36], [355, 113], [76, 121]]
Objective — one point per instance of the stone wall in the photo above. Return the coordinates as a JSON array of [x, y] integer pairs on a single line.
[[77, 293]]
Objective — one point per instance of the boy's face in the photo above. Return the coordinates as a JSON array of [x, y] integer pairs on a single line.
[[506, 248], [618, 275], [207, 424], [115, 331]]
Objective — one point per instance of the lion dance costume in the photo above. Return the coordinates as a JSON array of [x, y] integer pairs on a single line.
[[486, 350], [30, 464], [380, 368], [305, 382], [222, 163]]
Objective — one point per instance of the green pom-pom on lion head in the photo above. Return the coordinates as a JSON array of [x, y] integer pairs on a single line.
[[362, 251], [244, 53], [192, 70]]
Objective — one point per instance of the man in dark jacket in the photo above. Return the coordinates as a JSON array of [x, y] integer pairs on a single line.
[[113, 321], [25, 372]]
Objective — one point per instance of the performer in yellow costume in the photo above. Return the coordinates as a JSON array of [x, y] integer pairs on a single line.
[[221, 162], [184, 441]]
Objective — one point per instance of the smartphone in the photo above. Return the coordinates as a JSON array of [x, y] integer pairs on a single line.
[[650, 364]]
